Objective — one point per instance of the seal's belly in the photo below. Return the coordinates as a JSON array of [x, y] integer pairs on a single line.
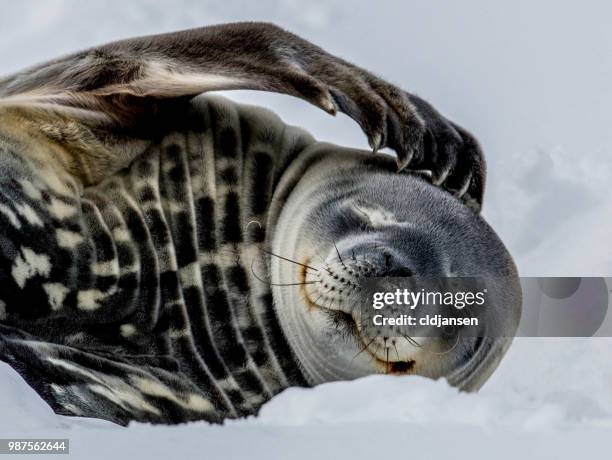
[[155, 264]]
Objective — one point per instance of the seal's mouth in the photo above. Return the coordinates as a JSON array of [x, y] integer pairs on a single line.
[[347, 324]]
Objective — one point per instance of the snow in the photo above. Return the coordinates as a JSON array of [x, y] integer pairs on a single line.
[[531, 80], [543, 416]]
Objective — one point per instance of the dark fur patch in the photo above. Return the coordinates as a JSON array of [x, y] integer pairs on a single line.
[[228, 143], [262, 180], [230, 224], [205, 215]]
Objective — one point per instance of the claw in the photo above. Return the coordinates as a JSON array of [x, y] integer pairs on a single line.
[[425, 173], [443, 175], [375, 142], [405, 161], [328, 105], [466, 185]]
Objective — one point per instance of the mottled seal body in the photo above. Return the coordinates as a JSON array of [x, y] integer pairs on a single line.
[[161, 257], [148, 296], [139, 290]]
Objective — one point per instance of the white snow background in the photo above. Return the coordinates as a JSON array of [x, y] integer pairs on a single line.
[[532, 80]]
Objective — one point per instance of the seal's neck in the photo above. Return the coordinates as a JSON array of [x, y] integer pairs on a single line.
[[323, 355]]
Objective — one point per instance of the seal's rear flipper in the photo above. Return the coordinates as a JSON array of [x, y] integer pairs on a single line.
[[75, 382]]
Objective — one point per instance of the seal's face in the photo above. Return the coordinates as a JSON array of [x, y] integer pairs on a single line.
[[347, 231]]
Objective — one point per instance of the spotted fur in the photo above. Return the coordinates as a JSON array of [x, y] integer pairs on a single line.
[[132, 217], [138, 291]]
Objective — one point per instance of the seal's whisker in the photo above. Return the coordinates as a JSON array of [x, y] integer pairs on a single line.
[[290, 284], [396, 352], [257, 277], [249, 223], [293, 284], [320, 295], [330, 301], [386, 358], [324, 263], [364, 348], [339, 256], [289, 260], [372, 357], [447, 351], [411, 341]]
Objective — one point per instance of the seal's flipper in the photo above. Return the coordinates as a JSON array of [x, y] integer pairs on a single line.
[[97, 102], [119, 389]]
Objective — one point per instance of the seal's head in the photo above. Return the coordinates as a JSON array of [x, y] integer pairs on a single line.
[[349, 221]]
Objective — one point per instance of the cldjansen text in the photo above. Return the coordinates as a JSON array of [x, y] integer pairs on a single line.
[[427, 320]]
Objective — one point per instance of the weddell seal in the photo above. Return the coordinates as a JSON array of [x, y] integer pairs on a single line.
[[165, 258]]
